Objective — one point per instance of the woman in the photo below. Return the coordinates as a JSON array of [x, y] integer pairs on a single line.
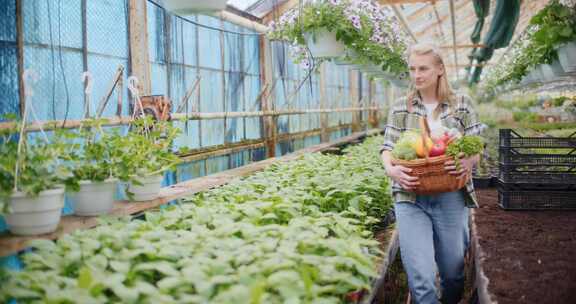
[[433, 229]]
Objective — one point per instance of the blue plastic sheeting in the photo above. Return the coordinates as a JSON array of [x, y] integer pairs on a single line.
[[211, 100], [252, 90], [235, 103], [251, 53], [8, 20], [240, 159], [106, 26], [58, 87], [190, 170], [103, 70], [216, 164], [9, 103], [53, 22], [340, 133], [53, 50], [290, 77], [156, 34], [312, 140], [258, 154], [11, 262], [228, 67], [284, 147], [210, 51], [159, 80], [183, 43]]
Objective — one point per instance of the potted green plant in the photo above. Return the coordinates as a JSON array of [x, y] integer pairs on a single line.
[[95, 159], [482, 177], [362, 27], [148, 155], [32, 182]]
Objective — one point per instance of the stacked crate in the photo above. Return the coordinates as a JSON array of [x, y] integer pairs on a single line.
[[536, 172]]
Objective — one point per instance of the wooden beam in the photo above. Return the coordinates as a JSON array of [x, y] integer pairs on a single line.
[[242, 21], [138, 32], [438, 21], [269, 129], [85, 55], [279, 10], [425, 29], [323, 102], [10, 244], [453, 19]]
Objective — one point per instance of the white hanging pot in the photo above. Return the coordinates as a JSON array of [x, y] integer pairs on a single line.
[[323, 44], [189, 7], [567, 57], [552, 71], [535, 75], [35, 215], [149, 189], [94, 198]]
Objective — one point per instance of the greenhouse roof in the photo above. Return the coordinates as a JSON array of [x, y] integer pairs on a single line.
[[431, 20]]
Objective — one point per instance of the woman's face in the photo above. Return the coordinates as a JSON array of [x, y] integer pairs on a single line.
[[424, 71]]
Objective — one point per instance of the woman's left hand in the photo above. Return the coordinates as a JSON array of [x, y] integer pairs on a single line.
[[466, 165]]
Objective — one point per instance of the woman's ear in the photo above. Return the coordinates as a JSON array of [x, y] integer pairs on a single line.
[[442, 70]]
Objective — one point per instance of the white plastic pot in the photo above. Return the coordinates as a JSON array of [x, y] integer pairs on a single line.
[[323, 44], [189, 7], [535, 75], [94, 198], [149, 189], [567, 57], [35, 215], [552, 71]]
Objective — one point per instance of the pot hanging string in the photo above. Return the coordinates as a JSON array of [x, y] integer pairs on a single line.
[[87, 79], [29, 78], [133, 88]]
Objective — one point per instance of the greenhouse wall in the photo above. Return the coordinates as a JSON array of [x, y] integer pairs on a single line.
[[62, 39]]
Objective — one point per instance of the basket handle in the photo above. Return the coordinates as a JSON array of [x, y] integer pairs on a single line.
[[425, 131]]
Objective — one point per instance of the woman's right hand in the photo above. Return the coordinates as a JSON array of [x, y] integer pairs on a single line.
[[400, 175]]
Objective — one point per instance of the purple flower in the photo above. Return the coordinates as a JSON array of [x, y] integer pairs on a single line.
[[355, 19], [334, 2]]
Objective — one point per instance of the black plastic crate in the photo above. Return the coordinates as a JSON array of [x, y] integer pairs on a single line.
[[537, 160], [537, 200], [510, 139], [550, 176], [535, 185]]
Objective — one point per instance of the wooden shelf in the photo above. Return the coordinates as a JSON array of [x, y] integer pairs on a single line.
[[10, 244]]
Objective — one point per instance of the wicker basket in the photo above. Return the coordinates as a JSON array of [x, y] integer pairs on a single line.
[[432, 176]]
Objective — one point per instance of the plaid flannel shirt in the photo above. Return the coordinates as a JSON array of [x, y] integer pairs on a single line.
[[463, 117]]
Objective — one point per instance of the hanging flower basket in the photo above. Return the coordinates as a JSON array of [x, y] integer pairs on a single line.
[[567, 57], [94, 198], [149, 189], [35, 215], [189, 7], [323, 44]]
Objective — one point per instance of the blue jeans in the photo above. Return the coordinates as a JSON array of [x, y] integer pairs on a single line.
[[434, 234]]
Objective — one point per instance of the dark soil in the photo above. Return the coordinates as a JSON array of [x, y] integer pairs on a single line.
[[530, 255]]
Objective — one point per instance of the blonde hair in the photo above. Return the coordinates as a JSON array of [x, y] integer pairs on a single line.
[[444, 91]]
